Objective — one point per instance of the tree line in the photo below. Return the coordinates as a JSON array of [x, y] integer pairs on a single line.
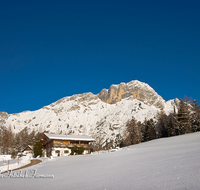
[[11, 143], [185, 120]]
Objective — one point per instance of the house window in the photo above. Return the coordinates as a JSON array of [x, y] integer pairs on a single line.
[[66, 151], [61, 142], [57, 151]]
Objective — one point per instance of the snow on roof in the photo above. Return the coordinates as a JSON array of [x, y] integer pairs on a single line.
[[29, 146], [69, 137]]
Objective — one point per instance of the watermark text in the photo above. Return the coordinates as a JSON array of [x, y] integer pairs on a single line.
[[24, 174]]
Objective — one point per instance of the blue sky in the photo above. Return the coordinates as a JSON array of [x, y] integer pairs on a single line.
[[52, 49]]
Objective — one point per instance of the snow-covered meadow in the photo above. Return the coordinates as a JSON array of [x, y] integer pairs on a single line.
[[11, 164], [168, 163]]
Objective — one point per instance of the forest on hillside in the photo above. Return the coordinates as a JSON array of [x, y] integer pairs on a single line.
[[185, 120]]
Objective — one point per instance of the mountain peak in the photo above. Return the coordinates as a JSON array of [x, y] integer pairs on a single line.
[[133, 89]]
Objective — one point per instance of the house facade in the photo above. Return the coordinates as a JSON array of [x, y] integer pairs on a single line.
[[60, 145]]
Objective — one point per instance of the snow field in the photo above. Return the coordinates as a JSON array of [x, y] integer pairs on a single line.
[[13, 164], [167, 163]]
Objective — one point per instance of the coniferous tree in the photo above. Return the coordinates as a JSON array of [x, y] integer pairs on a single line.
[[183, 117], [144, 131], [195, 117], [132, 133], [37, 149], [139, 132], [161, 127], [171, 127], [150, 133]]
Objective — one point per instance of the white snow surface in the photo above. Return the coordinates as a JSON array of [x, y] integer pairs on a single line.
[[167, 163], [69, 137], [5, 157], [13, 163]]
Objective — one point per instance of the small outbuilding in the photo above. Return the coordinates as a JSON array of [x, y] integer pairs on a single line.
[[28, 150]]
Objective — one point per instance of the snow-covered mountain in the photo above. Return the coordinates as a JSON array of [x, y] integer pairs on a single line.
[[105, 113]]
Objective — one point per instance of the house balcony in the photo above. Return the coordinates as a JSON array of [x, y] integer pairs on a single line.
[[58, 145]]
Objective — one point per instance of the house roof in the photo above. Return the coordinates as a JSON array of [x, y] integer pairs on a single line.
[[29, 146], [69, 137]]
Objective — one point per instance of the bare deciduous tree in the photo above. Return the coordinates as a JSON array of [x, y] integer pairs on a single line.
[[7, 141]]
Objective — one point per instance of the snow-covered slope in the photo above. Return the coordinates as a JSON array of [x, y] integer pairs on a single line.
[[105, 113], [167, 163]]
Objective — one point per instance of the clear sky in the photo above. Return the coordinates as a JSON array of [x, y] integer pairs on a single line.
[[52, 49]]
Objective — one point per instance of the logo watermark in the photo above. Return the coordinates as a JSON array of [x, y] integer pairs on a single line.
[[30, 174]]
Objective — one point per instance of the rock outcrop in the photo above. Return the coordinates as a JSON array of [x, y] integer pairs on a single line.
[[135, 90]]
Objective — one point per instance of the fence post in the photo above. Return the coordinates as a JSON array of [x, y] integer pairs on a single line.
[[8, 165]]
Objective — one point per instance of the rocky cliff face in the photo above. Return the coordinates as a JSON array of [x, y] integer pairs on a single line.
[[89, 114], [135, 90]]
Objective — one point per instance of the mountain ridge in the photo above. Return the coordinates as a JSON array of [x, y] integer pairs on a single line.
[[89, 114]]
